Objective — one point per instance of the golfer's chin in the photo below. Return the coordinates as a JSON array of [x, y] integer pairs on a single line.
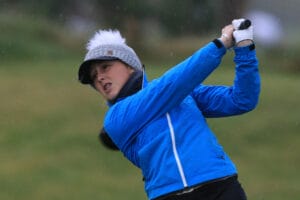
[[110, 96]]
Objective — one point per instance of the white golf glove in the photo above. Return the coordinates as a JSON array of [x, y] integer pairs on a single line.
[[244, 34]]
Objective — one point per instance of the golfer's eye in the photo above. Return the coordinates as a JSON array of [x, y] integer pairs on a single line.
[[105, 67]]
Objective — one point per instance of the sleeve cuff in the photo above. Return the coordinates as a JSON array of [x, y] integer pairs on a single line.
[[218, 43], [250, 47]]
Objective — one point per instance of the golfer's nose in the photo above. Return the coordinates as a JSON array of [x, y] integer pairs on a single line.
[[100, 76]]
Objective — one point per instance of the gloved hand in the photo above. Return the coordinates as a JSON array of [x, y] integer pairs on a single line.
[[241, 34]]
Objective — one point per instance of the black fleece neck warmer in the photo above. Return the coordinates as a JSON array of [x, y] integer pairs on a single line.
[[133, 85]]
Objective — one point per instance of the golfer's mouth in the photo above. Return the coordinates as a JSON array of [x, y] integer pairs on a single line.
[[107, 87]]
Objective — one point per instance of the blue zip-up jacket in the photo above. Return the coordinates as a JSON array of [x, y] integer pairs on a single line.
[[162, 128]]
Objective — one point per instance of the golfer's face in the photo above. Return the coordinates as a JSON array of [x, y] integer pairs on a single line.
[[109, 77]]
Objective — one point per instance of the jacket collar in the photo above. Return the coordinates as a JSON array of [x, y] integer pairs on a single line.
[[132, 86]]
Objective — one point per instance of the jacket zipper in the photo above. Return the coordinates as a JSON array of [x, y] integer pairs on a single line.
[[178, 162]]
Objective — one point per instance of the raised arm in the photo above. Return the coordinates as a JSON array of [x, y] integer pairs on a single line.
[[220, 101], [126, 118]]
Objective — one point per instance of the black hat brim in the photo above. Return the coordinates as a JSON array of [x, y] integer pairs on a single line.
[[85, 67]]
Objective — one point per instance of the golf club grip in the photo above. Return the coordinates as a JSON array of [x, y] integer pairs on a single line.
[[245, 24]]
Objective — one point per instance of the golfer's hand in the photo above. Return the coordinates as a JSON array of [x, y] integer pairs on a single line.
[[242, 37], [227, 36]]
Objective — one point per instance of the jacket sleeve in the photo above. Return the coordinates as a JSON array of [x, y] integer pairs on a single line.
[[221, 101], [125, 118]]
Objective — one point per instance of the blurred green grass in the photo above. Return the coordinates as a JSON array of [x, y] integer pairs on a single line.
[[49, 125]]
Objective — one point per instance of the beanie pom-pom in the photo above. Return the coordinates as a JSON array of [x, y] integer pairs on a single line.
[[103, 37]]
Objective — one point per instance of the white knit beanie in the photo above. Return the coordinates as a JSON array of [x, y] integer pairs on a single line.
[[107, 45]]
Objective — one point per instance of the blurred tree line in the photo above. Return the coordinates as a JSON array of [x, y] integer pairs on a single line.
[[142, 22], [173, 17]]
